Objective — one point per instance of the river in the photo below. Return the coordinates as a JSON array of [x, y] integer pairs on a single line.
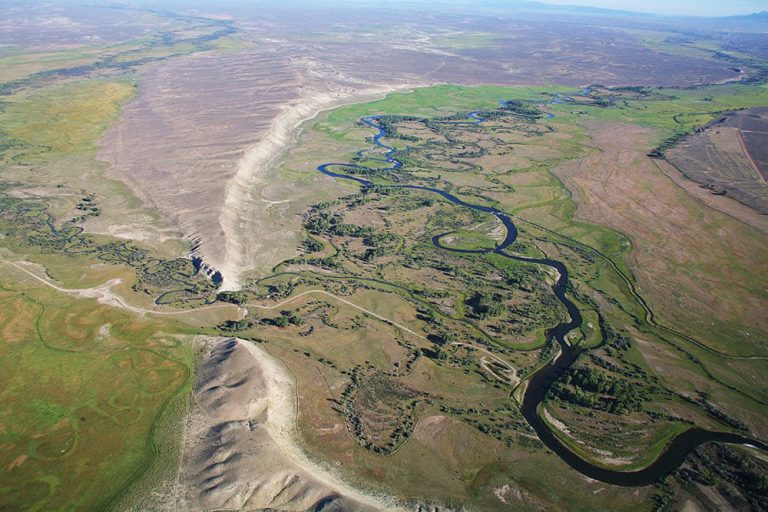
[[541, 381]]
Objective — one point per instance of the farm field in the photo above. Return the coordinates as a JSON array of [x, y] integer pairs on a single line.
[[728, 157]]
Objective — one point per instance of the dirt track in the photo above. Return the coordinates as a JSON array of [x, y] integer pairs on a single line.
[[103, 295]]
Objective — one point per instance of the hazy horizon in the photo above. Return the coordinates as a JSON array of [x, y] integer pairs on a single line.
[[703, 8], [677, 8]]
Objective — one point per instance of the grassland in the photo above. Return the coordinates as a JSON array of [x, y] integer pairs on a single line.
[[91, 393], [84, 386], [50, 133], [42, 120], [411, 353]]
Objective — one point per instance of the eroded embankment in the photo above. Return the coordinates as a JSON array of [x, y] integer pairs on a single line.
[[201, 140], [240, 447], [248, 240]]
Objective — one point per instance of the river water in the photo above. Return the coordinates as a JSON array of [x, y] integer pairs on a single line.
[[541, 381]]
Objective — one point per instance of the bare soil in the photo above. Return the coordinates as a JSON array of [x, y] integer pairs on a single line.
[[239, 444], [203, 137], [730, 157], [696, 265]]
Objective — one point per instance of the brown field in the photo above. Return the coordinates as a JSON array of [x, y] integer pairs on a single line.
[[68, 26], [215, 185], [753, 127], [721, 203], [729, 157], [702, 283]]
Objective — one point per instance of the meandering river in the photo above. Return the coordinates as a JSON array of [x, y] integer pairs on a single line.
[[541, 381]]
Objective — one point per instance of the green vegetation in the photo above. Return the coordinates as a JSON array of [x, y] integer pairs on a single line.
[[674, 112], [84, 387], [27, 226], [726, 468], [91, 394], [595, 389], [471, 239], [445, 100]]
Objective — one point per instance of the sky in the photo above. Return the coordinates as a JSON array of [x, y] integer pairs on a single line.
[[676, 7]]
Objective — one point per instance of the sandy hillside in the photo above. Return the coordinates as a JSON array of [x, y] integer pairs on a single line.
[[239, 444], [206, 131]]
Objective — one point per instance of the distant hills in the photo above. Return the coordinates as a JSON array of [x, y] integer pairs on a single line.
[[533, 5], [758, 17]]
